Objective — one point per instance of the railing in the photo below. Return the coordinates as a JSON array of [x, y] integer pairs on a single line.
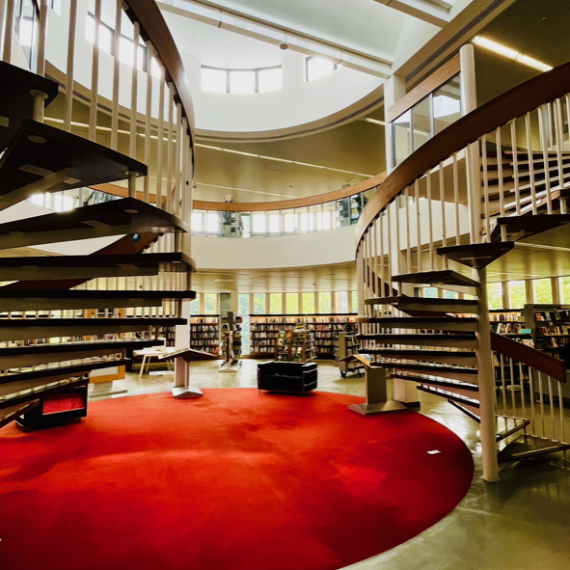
[[451, 189], [140, 108]]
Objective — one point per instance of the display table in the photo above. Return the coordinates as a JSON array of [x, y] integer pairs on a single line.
[[152, 351]]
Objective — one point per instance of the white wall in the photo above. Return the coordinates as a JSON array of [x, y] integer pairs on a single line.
[[316, 248]]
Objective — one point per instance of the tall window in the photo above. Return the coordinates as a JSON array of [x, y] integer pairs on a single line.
[[259, 304], [241, 81], [195, 305], [275, 303], [354, 301], [270, 79], [292, 303], [308, 303], [325, 302], [341, 302], [517, 295], [210, 303], [214, 80], [565, 289], [495, 295], [542, 291]]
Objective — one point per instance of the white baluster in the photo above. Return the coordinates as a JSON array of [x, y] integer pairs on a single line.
[[148, 119], [70, 65], [95, 75], [9, 30], [134, 91], [116, 76]]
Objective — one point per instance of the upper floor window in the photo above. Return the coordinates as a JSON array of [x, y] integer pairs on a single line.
[[317, 67], [241, 81]]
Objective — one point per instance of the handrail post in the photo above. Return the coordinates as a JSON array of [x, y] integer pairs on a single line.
[[486, 381]]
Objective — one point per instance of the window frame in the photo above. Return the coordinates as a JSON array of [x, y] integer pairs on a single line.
[[256, 71]]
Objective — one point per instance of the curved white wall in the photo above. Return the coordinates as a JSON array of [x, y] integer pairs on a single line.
[[298, 103], [316, 248]]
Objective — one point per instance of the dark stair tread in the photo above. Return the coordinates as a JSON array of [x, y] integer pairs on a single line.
[[95, 295], [41, 390], [444, 277], [48, 348], [440, 320], [530, 224], [95, 322], [404, 300], [438, 381], [61, 368], [8, 415], [125, 216], [16, 99], [520, 425], [465, 410], [449, 396], [415, 352], [431, 367], [477, 255], [50, 150], [527, 447]]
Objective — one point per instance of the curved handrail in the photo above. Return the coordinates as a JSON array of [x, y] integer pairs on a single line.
[[315, 200], [153, 28], [514, 103]]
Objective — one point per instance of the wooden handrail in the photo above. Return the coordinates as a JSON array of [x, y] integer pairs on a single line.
[[529, 356], [154, 28], [530, 95]]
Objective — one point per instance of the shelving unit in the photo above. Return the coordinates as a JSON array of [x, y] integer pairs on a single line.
[[231, 340], [295, 345], [510, 323], [550, 329], [265, 330], [346, 345], [205, 333]]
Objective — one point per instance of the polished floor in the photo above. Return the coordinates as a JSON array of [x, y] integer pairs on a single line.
[[520, 523]]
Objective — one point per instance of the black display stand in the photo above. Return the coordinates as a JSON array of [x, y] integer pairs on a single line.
[[289, 377]]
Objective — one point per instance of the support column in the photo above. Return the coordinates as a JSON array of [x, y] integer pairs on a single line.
[[394, 90], [486, 381], [529, 291], [468, 104], [555, 284], [505, 294]]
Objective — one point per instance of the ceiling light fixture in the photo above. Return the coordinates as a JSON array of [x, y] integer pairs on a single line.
[[244, 190], [275, 159], [510, 53], [375, 121]]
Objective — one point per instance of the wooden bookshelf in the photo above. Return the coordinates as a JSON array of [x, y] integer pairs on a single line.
[[205, 333], [264, 330]]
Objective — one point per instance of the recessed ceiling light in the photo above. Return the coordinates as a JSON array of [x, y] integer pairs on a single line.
[[36, 139], [131, 211], [510, 53], [71, 180]]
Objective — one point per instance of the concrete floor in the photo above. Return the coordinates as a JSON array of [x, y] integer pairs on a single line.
[[520, 523]]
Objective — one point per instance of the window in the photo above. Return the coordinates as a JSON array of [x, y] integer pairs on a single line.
[[210, 303], [276, 303], [542, 291], [402, 126], [195, 305], [292, 303], [495, 295], [430, 292], [259, 224], [214, 80], [447, 104], [317, 68], [421, 121], [106, 35], [354, 301], [274, 224], [341, 302], [212, 223], [197, 225], [565, 289], [289, 223], [270, 79], [242, 82], [517, 294], [325, 302], [308, 303], [259, 304], [126, 53]]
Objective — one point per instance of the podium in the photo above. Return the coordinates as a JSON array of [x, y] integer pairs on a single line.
[[182, 358]]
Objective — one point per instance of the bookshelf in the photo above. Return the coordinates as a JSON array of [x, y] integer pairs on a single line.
[[550, 329], [510, 323], [346, 345], [264, 330], [295, 345], [205, 333]]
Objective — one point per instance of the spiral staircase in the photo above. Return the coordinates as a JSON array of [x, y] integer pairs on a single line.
[[54, 328], [444, 345]]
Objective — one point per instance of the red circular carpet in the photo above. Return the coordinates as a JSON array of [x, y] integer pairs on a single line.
[[233, 481]]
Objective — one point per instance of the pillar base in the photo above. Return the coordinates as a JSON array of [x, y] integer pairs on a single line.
[[380, 408], [182, 393]]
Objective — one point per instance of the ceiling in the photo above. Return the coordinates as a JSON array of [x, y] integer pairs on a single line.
[[336, 277]]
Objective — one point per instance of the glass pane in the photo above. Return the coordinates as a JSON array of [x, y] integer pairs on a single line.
[[289, 223], [495, 295], [242, 81], [328, 215], [565, 289], [430, 292], [197, 226], [259, 304], [354, 300], [421, 122], [270, 79], [325, 302], [517, 294], [343, 213], [195, 305], [214, 80], [246, 223], [292, 303], [259, 224], [450, 294], [308, 303], [317, 67], [274, 224], [126, 52], [210, 303], [401, 127], [341, 301], [543, 292], [212, 223], [447, 104], [355, 208], [276, 303], [315, 218]]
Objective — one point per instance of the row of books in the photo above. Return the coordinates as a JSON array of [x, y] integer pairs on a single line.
[[552, 316], [554, 330]]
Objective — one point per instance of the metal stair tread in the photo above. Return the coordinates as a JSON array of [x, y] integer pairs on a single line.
[[404, 300], [444, 277], [430, 367], [476, 255], [49, 348], [420, 379], [529, 447], [449, 396], [95, 294]]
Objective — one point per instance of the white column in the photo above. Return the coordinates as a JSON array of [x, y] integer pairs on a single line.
[[394, 90]]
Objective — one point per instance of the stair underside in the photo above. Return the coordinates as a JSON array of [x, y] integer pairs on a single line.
[[476, 255], [428, 323], [442, 356], [16, 99], [462, 388], [444, 279], [53, 299], [125, 216], [42, 158], [439, 370], [93, 266], [528, 225], [72, 368], [426, 304], [441, 340], [528, 447], [8, 415]]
